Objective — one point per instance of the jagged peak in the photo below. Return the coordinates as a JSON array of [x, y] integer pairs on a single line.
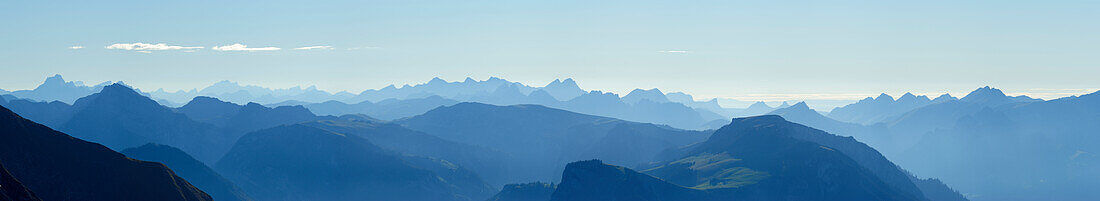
[[569, 81], [469, 80], [56, 78], [118, 87], [984, 93], [226, 82]]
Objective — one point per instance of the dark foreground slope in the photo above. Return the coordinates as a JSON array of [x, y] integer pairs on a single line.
[[187, 167], [13, 190], [56, 166], [297, 162]]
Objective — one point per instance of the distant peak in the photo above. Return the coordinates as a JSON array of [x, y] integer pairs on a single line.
[[759, 104], [801, 106], [118, 88], [55, 77], [437, 80], [945, 97], [883, 96], [984, 93], [469, 80], [569, 81]]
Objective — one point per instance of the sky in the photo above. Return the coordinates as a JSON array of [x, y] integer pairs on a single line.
[[747, 50]]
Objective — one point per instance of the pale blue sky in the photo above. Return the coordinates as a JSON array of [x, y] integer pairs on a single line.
[[733, 49]]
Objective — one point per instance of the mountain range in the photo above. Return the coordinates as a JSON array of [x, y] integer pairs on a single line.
[[988, 145], [391, 102], [543, 139]]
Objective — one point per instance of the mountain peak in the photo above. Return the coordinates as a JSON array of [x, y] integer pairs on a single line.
[[569, 81], [907, 95], [654, 95], [118, 87], [758, 104], [56, 78], [437, 80], [944, 98], [986, 94], [800, 106], [883, 96]]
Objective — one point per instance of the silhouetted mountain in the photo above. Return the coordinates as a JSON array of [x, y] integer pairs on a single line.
[[241, 94], [770, 158], [118, 117], [388, 109], [564, 90], [993, 97], [710, 106], [192, 170], [56, 88], [944, 98], [297, 162], [593, 180], [439, 87], [542, 138], [490, 164], [210, 110], [758, 108], [1050, 145], [234, 120], [870, 111], [56, 166], [536, 191], [13, 190], [394, 102], [51, 114], [253, 116], [653, 95], [908, 128]]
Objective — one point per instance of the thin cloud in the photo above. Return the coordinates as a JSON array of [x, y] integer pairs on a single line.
[[319, 47], [76, 47], [675, 51], [148, 47], [240, 47], [364, 47]]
